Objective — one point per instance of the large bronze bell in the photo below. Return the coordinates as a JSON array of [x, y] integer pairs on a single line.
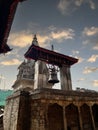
[[53, 76]]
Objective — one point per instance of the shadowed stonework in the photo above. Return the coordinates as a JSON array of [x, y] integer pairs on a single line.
[[46, 109]]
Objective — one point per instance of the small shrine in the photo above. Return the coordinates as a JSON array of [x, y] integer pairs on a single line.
[[35, 105]]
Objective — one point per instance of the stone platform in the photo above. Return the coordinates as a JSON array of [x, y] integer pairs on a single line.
[[51, 109]]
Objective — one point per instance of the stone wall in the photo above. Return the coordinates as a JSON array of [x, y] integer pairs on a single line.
[[38, 110], [63, 110], [16, 112], [47, 109], [11, 114]]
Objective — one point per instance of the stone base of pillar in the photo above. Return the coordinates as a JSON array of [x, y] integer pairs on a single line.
[[17, 111]]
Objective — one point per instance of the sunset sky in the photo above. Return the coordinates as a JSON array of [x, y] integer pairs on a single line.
[[70, 25]]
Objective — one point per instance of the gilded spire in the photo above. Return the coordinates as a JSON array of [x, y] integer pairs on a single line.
[[35, 42]]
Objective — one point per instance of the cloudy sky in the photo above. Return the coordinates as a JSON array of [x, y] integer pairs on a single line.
[[70, 25]]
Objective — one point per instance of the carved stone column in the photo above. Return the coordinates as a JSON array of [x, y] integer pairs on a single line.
[[64, 118], [80, 118], [93, 123]]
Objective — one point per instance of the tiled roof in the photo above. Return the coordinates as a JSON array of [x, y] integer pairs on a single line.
[[3, 95]]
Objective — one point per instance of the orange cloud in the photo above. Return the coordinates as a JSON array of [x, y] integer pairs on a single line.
[[90, 70], [11, 62], [90, 31], [95, 83], [20, 39], [93, 58]]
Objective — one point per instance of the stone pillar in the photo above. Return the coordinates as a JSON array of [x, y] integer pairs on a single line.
[[36, 75], [64, 118], [46, 117], [93, 123], [9, 117], [17, 111], [66, 83], [40, 77], [80, 118]]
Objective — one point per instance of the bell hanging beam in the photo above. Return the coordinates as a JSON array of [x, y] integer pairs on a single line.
[[48, 56]]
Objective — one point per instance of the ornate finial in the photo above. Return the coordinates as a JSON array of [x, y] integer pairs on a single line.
[[35, 38], [35, 42], [52, 47]]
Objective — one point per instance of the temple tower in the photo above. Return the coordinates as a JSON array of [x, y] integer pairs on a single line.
[[35, 105]]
